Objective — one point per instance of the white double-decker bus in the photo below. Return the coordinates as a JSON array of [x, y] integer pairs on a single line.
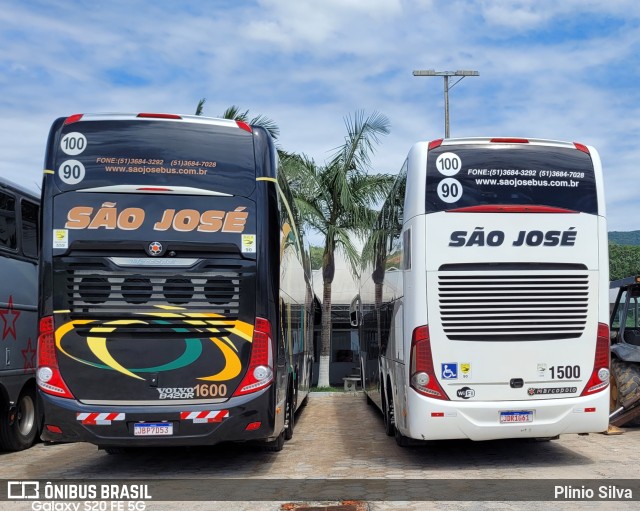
[[483, 313]]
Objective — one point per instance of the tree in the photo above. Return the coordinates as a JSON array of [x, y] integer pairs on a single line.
[[338, 200], [624, 261], [234, 113]]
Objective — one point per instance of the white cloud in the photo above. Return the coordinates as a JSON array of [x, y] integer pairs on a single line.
[[547, 69]]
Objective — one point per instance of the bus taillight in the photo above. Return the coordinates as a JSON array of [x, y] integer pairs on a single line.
[[600, 376], [260, 372], [73, 118], [423, 376], [47, 374], [147, 115], [434, 144]]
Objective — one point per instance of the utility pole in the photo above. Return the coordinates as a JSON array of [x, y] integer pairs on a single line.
[[446, 75]]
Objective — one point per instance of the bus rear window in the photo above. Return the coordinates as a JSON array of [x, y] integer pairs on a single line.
[[467, 176], [154, 153]]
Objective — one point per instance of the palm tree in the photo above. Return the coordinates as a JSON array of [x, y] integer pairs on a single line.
[[233, 112], [338, 200]]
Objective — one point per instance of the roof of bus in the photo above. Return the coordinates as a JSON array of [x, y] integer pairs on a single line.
[[17, 187], [157, 117], [506, 140]]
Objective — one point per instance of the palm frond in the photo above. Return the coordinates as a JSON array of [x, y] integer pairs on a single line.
[[268, 124], [200, 107], [233, 112]]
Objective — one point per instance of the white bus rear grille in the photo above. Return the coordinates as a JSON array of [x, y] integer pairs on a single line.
[[513, 308]]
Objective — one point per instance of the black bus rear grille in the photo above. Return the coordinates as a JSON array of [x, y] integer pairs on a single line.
[[97, 288], [513, 307]]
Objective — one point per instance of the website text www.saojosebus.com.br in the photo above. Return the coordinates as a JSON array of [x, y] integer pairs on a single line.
[[568, 183], [156, 170]]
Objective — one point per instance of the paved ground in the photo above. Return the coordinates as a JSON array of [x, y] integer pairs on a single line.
[[338, 439]]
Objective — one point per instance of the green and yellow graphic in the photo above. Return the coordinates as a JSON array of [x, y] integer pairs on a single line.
[[232, 333]]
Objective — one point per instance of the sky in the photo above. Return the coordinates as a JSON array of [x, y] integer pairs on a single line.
[[564, 70]]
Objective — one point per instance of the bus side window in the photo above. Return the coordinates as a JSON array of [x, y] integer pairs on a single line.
[[7, 221], [29, 229]]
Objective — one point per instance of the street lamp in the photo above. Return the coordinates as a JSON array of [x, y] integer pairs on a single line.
[[446, 75]]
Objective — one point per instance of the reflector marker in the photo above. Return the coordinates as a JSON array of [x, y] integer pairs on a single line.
[[45, 171], [99, 419], [205, 416]]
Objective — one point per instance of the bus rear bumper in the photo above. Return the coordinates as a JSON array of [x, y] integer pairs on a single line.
[[431, 419], [67, 420]]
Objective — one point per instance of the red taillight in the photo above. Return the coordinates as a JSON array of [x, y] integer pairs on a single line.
[[260, 372], [422, 373], [145, 115], [244, 126], [509, 141], [253, 426], [600, 375], [73, 118], [435, 144], [47, 372], [581, 147], [508, 208]]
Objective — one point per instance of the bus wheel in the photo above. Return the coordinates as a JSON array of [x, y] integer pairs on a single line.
[[305, 401], [625, 385], [387, 411], [20, 434], [290, 417], [401, 440], [275, 445]]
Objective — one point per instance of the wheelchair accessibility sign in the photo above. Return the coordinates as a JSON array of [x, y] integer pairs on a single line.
[[450, 371]]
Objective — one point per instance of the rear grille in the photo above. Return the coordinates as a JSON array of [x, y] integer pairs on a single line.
[[513, 307], [97, 289]]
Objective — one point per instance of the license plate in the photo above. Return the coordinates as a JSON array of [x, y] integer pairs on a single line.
[[153, 429], [516, 417]]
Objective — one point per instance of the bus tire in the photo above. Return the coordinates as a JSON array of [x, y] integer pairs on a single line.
[[387, 411], [625, 385], [305, 401], [275, 445], [21, 434], [401, 440], [290, 417]]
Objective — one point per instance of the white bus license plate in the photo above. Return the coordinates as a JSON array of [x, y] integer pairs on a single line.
[[153, 429], [516, 417]]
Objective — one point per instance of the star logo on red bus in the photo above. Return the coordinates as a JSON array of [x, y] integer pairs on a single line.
[[29, 355], [9, 317]]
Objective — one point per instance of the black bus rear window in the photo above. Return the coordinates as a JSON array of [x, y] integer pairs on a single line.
[[154, 153], [466, 176]]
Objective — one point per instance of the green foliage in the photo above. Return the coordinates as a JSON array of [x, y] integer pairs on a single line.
[[624, 261], [234, 113], [316, 257], [325, 389], [625, 237]]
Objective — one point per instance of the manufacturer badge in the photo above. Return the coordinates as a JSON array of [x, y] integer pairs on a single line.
[[154, 248]]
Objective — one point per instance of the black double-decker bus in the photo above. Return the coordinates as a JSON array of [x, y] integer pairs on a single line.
[[176, 306]]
